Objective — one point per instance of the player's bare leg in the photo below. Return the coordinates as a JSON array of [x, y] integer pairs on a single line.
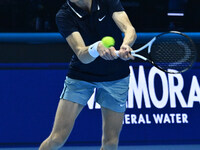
[[112, 124], [66, 115]]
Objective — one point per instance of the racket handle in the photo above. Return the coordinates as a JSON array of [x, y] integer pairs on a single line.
[[117, 53]]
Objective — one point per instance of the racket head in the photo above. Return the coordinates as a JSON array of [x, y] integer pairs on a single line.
[[172, 52]]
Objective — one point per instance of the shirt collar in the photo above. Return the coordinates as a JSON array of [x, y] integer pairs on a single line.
[[80, 12]]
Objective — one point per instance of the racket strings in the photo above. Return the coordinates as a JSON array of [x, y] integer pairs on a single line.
[[175, 52]]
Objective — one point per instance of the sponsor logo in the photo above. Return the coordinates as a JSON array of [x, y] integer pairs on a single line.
[[154, 89], [101, 19], [143, 90]]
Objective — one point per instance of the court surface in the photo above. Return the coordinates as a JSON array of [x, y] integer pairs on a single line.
[[149, 147]]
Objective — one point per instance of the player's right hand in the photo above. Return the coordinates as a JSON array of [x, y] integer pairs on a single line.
[[125, 53]]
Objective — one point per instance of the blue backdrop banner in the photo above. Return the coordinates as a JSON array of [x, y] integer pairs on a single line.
[[161, 108]]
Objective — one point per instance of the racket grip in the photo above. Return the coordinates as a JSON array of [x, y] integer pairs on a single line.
[[117, 53]]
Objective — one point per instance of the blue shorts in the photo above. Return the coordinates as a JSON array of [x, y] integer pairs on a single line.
[[109, 94]]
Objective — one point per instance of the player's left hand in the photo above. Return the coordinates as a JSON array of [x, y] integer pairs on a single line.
[[106, 53], [124, 53]]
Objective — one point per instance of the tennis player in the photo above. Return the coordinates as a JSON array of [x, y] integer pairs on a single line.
[[83, 23]]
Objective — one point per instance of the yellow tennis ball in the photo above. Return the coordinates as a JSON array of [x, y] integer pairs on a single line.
[[108, 41]]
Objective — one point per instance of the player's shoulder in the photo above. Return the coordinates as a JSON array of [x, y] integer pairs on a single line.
[[64, 11]]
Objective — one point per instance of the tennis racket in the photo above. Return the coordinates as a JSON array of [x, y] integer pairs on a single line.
[[172, 52]]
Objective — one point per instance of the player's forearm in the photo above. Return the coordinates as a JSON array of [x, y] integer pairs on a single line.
[[84, 56], [129, 36], [77, 44], [123, 22]]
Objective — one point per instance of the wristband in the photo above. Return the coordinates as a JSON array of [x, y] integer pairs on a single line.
[[93, 50]]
